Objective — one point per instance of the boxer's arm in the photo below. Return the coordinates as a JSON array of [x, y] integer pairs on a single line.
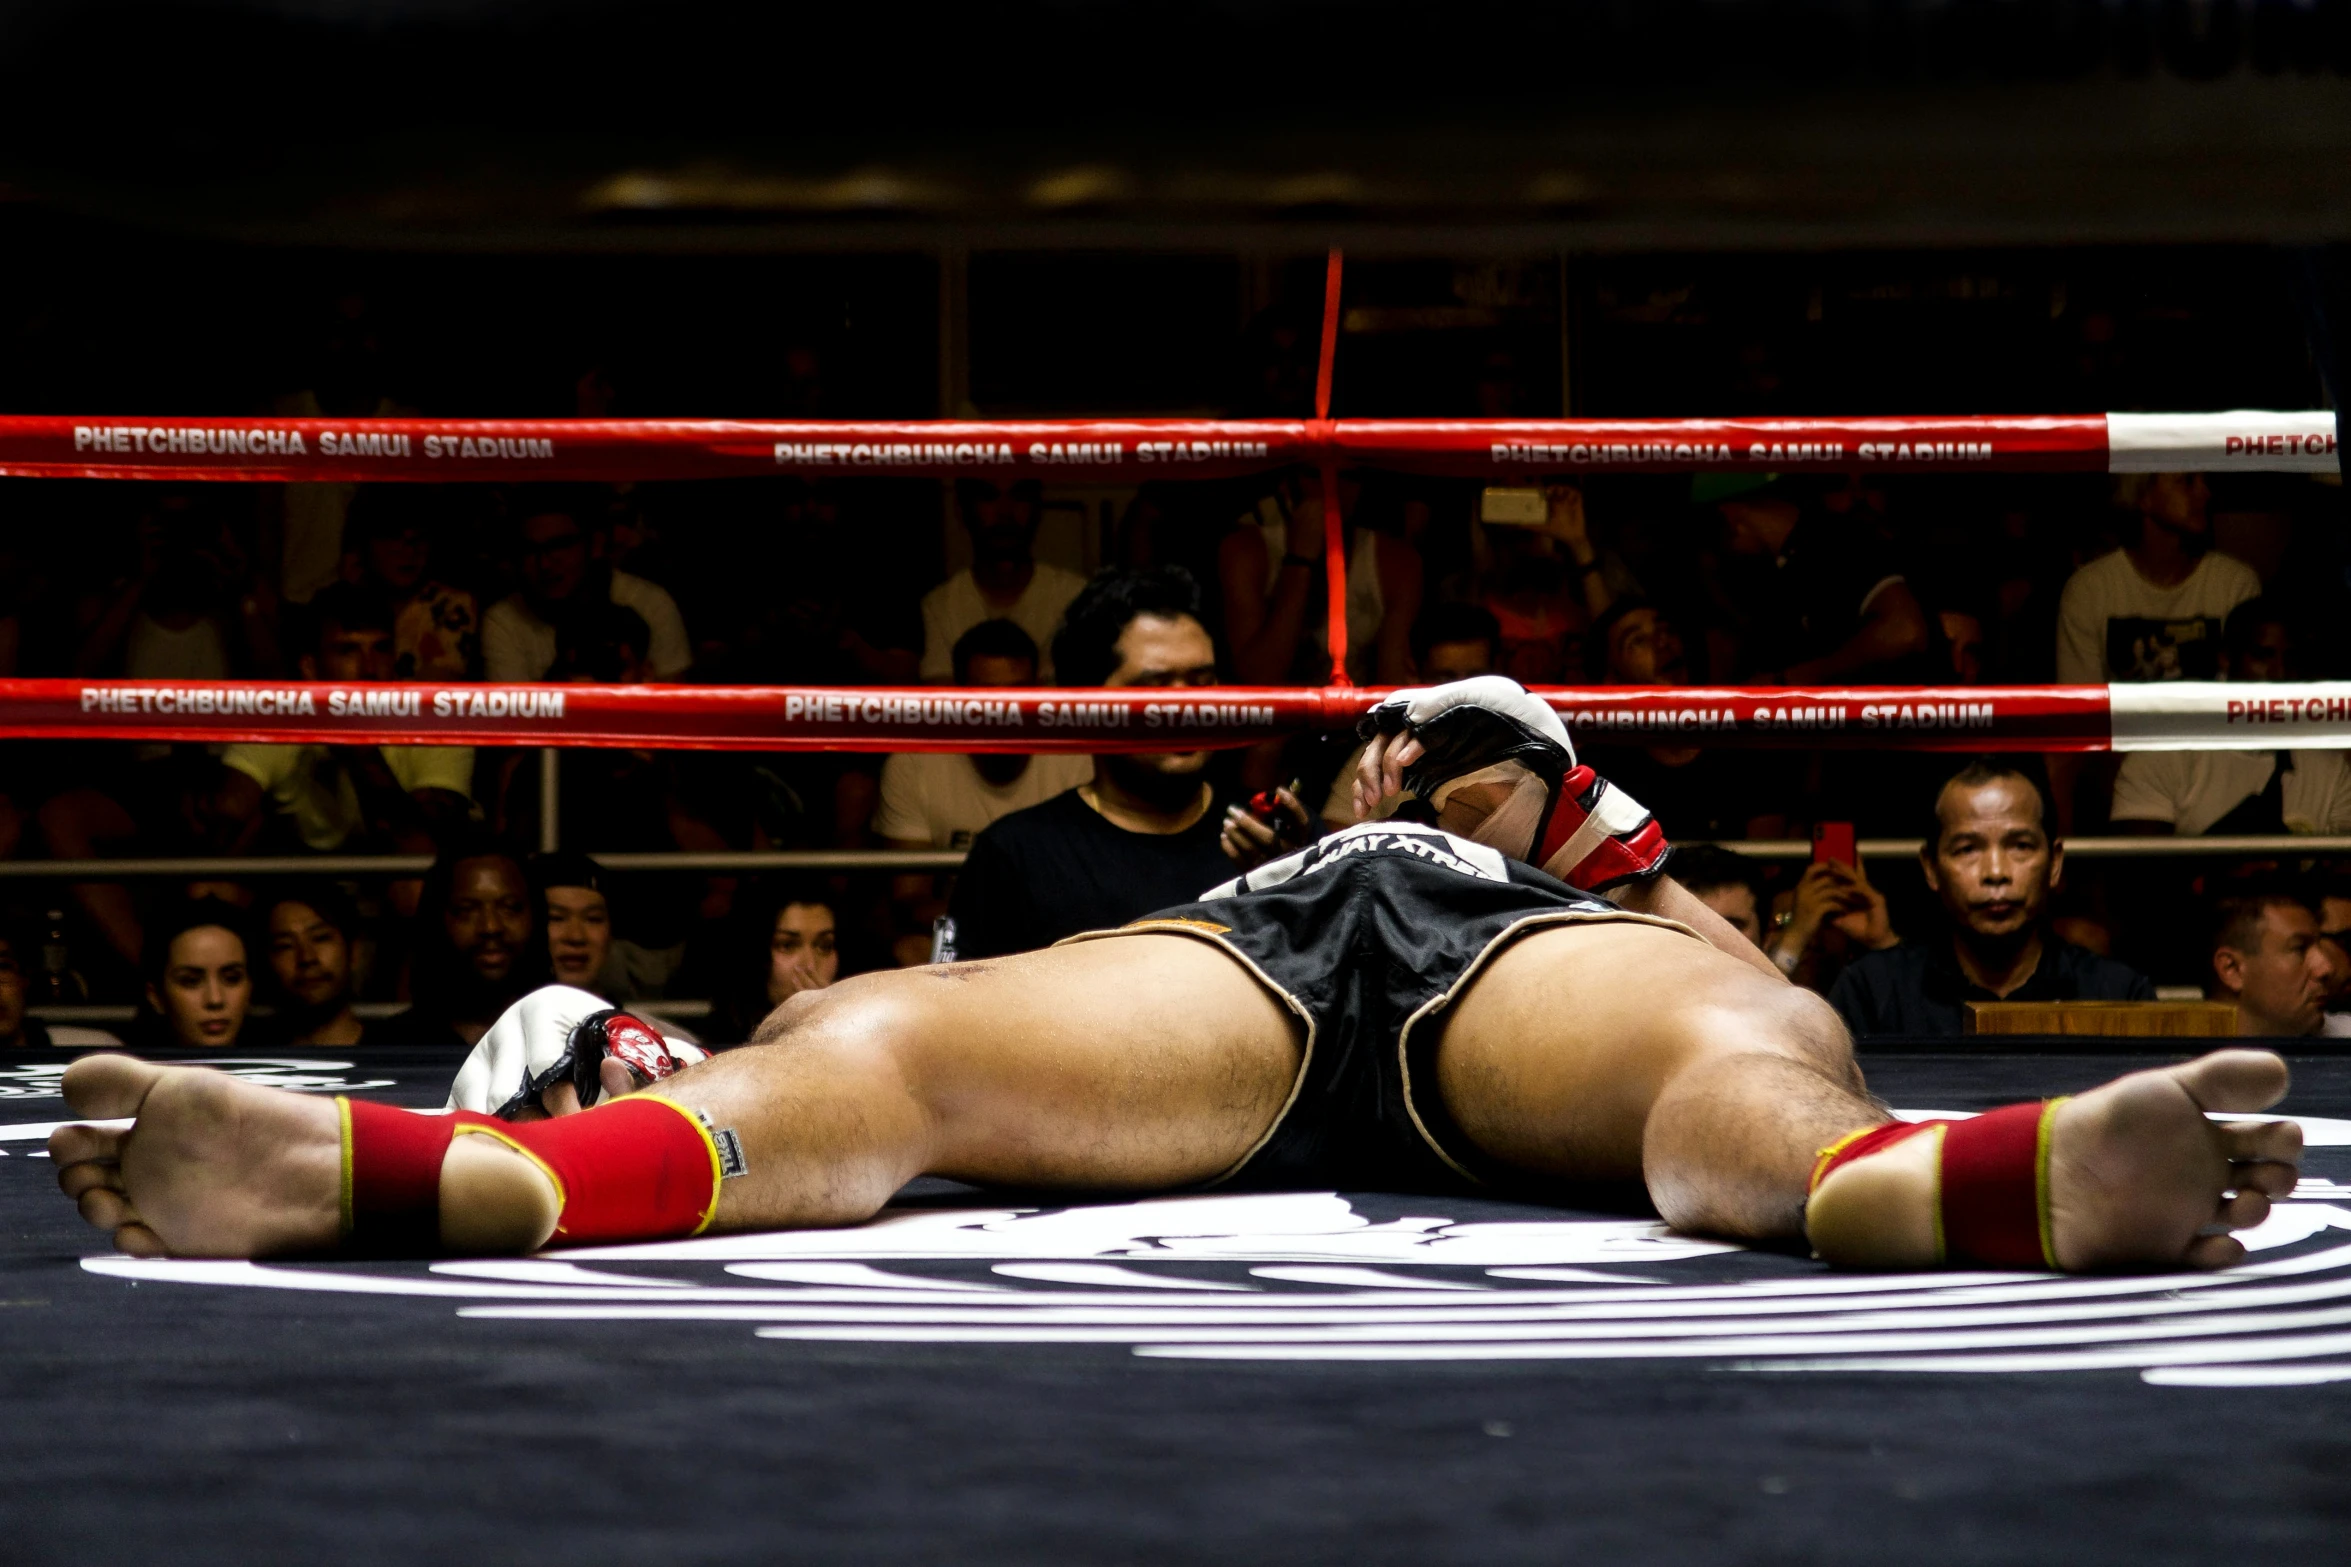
[[1669, 899]]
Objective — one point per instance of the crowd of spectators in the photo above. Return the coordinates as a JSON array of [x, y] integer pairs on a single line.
[[1750, 579]]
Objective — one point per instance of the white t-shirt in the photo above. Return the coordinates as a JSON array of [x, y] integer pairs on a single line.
[[939, 797], [2193, 789], [2113, 624], [518, 645], [956, 605]]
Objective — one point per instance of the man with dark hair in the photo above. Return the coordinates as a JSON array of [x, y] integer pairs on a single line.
[[1005, 580], [2221, 793], [1143, 831], [561, 540], [327, 798], [2268, 956], [1454, 641], [1730, 884], [307, 935], [1991, 862]]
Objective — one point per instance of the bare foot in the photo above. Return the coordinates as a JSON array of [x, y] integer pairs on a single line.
[[213, 1167], [2138, 1176]]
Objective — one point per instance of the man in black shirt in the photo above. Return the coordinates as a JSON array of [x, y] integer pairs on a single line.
[[1992, 863], [1143, 835]]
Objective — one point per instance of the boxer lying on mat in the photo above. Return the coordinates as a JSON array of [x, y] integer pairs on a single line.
[[1397, 1007]]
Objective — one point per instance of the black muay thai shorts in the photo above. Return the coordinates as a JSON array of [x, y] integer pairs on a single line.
[[1369, 936]]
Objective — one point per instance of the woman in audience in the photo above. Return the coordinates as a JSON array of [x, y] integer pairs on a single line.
[[199, 978], [788, 943]]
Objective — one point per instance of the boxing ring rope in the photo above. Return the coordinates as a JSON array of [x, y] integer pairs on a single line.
[[2176, 715], [513, 451]]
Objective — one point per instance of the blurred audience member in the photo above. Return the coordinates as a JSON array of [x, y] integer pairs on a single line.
[[436, 628], [562, 544], [577, 917], [1812, 599], [1144, 832], [941, 799], [1729, 884], [788, 944], [195, 609], [1276, 604], [396, 798], [1455, 641], [311, 931], [806, 605], [199, 977], [2334, 928], [1005, 580], [2152, 610], [1833, 915], [19, 1029], [2229, 793], [635, 800], [1545, 586], [2269, 958], [1696, 791], [477, 948], [1992, 864]]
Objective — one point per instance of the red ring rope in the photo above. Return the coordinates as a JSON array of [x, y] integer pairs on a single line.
[[513, 450], [771, 718]]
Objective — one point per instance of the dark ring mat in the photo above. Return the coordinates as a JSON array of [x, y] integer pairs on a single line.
[[164, 1422]]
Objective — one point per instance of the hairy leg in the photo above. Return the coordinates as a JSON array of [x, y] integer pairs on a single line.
[[1137, 1063], [1622, 1052]]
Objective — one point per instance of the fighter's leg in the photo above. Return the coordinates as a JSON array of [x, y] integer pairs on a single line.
[[1141, 1062], [1626, 1051], [1623, 1051]]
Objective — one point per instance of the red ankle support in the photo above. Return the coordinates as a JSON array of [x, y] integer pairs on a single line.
[[636, 1169], [1992, 1193], [392, 1177]]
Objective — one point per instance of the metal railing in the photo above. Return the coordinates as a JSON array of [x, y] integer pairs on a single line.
[[908, 861]]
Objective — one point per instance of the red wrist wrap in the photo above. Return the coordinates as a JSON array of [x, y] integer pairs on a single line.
[[1992, 1199], [392, 1177], [636, 1169]]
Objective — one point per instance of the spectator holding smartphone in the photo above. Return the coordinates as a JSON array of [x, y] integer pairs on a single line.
[[1992, 862]]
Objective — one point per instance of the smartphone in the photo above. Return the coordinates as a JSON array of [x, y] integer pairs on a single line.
[[1513, 506], [1834, 841], [1288, 831]]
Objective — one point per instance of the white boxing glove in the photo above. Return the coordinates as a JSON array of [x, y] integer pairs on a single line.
[[1552, 812], [556, 1034]]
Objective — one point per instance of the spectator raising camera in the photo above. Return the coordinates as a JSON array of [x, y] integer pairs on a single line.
[[1992, 865]]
